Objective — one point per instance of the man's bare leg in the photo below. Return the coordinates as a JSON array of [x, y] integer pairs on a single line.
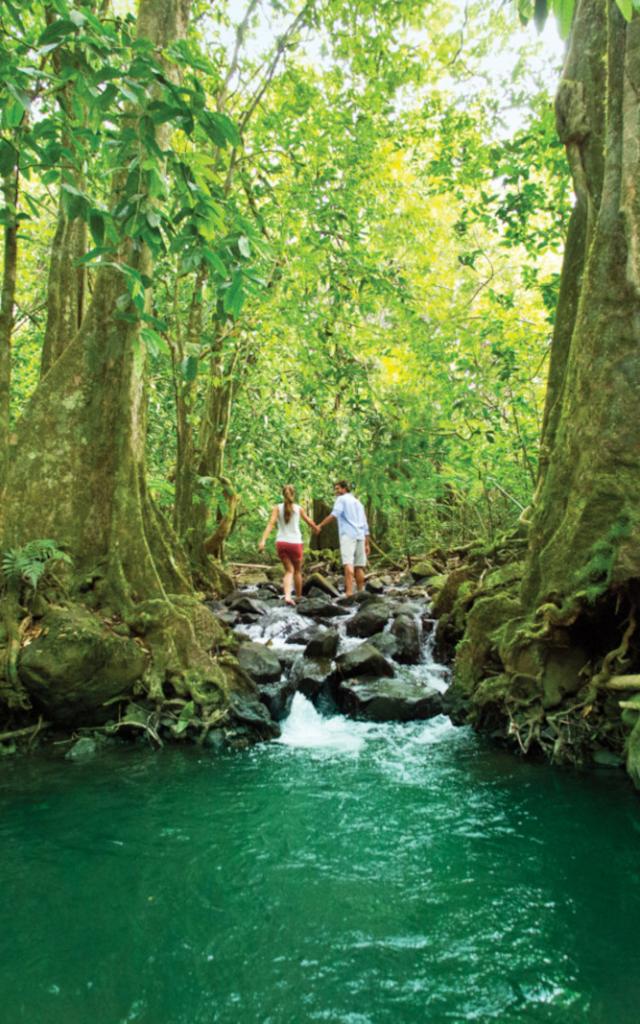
[[359, 575], [348, 580]]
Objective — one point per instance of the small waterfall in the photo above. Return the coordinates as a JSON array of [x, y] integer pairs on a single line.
[[306, 728]]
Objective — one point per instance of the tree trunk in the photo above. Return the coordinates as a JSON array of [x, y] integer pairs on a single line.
[[592, 480], [80, 478], [7, 304], [537, 663]]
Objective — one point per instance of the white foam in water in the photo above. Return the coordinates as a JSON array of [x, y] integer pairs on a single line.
[[306, 728]]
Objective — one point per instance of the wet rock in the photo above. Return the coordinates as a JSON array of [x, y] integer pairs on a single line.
[[319, 582], [310, 677], [277, 697], [259, 662], [286, 656], [371, 618], [303, 636], [385, 642], [76, 664], [389, 700], [319, 608], [252, 716], [408, 634], [215, 740], [374, 585], [364, 660], [245, 604], [83, 749], [222, 612], [323, 645]]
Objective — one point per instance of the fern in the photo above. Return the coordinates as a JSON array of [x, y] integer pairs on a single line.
[[29, 563]]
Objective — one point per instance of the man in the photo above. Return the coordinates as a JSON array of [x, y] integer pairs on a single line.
[[354, 535]]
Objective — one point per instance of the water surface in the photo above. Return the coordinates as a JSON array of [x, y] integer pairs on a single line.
[[356, 873]]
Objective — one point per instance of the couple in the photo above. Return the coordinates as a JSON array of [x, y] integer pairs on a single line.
[[352, 527]]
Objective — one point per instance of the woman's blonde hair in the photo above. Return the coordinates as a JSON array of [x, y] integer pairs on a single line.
[[289, 495]]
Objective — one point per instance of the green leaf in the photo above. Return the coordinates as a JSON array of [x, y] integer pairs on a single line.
[[563, 10], [233, 300], [57, 30], [626, 6], [220, 128]]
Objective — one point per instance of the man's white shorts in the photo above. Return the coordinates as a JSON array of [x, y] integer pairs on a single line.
[[352, 551]]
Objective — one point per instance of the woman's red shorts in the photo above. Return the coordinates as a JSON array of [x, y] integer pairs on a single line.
[[291, 551]]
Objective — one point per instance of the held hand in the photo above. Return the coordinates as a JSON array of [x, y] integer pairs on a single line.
[[261, 546], [316, 530]]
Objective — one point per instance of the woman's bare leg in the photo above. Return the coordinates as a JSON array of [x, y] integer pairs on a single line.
[[287, 579], [297, 579]]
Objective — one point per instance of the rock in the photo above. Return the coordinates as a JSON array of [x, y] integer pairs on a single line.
[[310, 677], [82, 750], [277, 697], [422, 570], [374, 585], [215, 740], [319, 608], [259, 662], [633, 755], [268, 591], [286, 656], [76, 664], [385, 642], [389, 700], [246, 605], [321, 583], [369, 619], [323, 645], [254, 716], [222, 612], [364, 660], [303, 636], [408, 634]]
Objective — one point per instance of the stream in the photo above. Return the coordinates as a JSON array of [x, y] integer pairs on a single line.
[[352, 872]]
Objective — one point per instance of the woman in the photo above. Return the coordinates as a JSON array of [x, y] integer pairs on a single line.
[[288, 540]]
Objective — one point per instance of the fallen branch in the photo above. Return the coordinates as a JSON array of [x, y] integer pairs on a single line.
[[631, 682], [27, 731], [388, 558]]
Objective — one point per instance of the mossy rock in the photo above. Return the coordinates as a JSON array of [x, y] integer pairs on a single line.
[[445, 599], [423, 569], [77, 663], [633, 755]]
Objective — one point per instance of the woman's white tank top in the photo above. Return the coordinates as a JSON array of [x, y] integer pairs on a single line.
[[290, 532]]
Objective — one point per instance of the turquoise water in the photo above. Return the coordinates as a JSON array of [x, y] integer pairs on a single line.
[[363, 874]]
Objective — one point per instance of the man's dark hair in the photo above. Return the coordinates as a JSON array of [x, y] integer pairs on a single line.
[[343, 484]]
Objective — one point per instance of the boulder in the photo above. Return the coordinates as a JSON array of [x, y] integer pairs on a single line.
[[259, 662], [319, 608], [303, 636], [277, 697], [370, 618], [374, 585], [246, 605], [310, 677], [422, 570], [364, 660], [323, 645], [389, 700], [76, 664], [317, 581], [249, 719], [385, 642], [408, 633]]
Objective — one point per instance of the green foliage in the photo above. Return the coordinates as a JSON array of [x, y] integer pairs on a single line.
[[30, 563]]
